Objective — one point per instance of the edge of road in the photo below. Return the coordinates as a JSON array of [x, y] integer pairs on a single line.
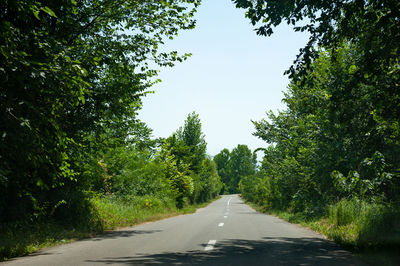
[[193, 209], [369, 257], [89, 235], [254, 207]]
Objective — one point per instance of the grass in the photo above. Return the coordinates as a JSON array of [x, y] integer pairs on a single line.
[[370, 230], [121, 212], [110, 213]]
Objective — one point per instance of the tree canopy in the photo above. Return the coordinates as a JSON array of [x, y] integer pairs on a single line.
[[372, 25], [192, 136], [187, 147], [328, 144], [339, 136], [235, 165], [71, 76]]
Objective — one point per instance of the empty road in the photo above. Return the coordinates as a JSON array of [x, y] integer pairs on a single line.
[[227, 232]]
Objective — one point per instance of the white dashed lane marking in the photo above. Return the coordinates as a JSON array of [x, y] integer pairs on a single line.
[[221, 224], [210, 245], [229, 201]]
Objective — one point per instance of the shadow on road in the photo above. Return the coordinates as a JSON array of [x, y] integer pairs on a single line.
[[107, 235], [250, 213], [269, 251], [122, 233]]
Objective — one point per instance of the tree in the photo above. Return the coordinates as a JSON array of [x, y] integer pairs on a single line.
[[327, 144], [371, 25], [192, 136], [71, 75], [221, 160], [207, 182], [187, 149], [235, 165], [242, 163], [343, 101], [176, 171]]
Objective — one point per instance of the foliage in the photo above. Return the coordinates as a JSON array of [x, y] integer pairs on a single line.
[[221, 160], [119, 211], [19, 239], [329, 128], [194, 175], [140, 175], [193, 138], [333, 157], [363, 224], [376, 181], [207, 184], [371, 25], [71, 76], [343, 100], [235, 165], [242, 163]]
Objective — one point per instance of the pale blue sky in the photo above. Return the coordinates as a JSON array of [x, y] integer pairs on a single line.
[[233, 77]]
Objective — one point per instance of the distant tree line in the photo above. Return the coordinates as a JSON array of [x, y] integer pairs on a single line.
[[234, 166]]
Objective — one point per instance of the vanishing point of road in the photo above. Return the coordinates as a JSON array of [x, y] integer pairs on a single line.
[[226, 232]]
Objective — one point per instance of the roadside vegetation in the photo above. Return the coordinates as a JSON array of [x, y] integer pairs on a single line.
[[332, 160], [76, 161], [74, 158], [133, 186], [368, 230], [233, 165], [108, 214]]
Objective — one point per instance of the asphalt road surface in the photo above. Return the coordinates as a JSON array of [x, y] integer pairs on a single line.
[[226, 232]]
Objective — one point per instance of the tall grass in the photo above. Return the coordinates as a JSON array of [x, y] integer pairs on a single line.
[[129, 210], [371, 228], [353, 223], [364, 224]]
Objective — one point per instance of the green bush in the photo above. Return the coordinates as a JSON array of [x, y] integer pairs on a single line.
[[140, 177]]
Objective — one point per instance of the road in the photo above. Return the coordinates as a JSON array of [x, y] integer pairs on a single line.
[[226, 232]]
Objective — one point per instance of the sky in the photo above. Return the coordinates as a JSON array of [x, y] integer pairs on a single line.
[[232, 77]]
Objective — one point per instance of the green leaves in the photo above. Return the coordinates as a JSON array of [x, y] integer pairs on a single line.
[[235, 165], [343, 107], [191, 172], [330, 127], [36, 11], [370, 25], [48, 11], [80, 69]]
